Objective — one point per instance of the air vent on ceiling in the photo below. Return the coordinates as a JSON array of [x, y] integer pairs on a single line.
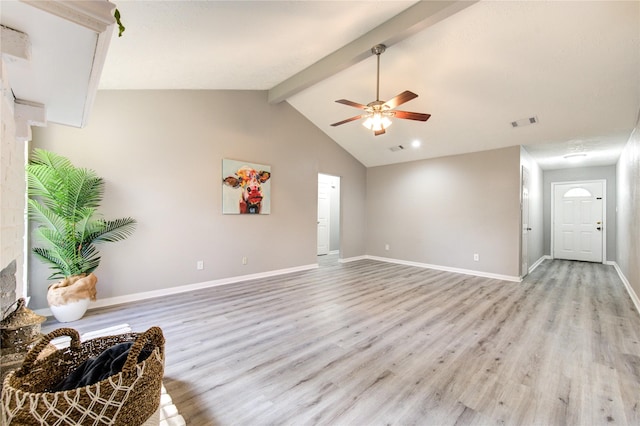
[[524, 121], [396, 148]]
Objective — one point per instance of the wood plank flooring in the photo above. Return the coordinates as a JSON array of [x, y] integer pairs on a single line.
[[372, 343]]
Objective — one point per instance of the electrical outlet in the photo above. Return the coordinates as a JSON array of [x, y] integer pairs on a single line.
[[244, 260], [476, 257], [200, 265], [386, 247]]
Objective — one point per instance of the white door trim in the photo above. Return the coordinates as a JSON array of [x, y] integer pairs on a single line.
[[604, 212], [525, 225]]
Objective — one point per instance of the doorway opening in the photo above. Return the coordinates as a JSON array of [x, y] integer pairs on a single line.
[[328, 242]]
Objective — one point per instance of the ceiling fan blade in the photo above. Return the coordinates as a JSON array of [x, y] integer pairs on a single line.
[[412, 115], [379, 132], [348, 120], [403, 97], [351, 103]]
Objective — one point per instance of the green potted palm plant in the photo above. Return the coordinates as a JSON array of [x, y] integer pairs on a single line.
[[63, 202]]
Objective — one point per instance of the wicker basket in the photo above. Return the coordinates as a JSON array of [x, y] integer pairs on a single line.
[[127, 398]]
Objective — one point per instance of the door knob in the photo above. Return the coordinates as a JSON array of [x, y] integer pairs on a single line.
[[599, 228]]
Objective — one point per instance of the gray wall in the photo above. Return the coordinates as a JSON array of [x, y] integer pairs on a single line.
[[441, 211], [536, 208], [577, 174], [161, 153], [628, 242]]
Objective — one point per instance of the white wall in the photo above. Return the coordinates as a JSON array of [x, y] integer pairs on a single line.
[[628, 190], [578, 174], [441, 211], [536, 208], [161, 153]]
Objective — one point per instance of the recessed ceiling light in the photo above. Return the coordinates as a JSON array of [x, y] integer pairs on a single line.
[[415, 143]]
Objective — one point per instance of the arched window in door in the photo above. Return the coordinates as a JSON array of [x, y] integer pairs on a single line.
[[577, 192]]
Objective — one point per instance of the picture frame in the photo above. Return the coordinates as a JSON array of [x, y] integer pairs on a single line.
[[246, 187]]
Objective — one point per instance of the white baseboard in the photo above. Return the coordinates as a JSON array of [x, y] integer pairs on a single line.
[[117, 300], [447, 269], [538, 262], [634, 297], [352, 259]]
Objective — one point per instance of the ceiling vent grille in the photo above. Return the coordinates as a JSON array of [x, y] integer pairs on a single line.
[[396, 148], [525, 121]]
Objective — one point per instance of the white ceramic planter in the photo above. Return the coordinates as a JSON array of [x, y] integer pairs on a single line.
[[71, 311]]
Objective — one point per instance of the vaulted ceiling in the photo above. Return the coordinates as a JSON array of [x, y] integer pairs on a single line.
[[476, 66]]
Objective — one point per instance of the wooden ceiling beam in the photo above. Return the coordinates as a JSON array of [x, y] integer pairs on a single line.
[[407, 23]]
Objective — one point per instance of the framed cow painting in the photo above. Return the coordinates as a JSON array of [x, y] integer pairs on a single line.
[[246, 188]]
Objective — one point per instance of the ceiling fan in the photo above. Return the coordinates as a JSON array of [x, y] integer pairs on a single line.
[[378, 112]]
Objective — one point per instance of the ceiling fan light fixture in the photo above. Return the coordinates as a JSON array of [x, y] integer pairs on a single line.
[[377, 121], [377, 113]]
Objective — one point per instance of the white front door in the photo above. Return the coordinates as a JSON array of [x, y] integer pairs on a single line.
[[578, 221], [324, 211]]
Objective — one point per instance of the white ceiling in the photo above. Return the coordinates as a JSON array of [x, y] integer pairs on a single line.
[[573, 65], [244, 45]]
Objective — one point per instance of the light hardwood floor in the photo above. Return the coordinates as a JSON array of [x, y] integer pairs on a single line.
[[372, 343]]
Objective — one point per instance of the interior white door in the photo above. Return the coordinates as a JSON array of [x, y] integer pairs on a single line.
[[578, 221], [525, 222], [324, 212]]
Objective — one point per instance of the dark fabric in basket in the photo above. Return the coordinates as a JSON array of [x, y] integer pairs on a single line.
[[128, 398], [96, 369]]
